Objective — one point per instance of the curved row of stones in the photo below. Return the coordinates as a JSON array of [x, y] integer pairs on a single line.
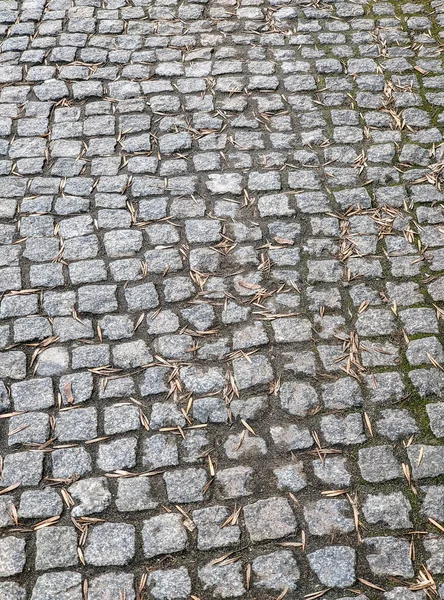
[[221, 278]]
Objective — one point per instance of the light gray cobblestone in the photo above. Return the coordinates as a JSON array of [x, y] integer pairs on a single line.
[[221, 279]]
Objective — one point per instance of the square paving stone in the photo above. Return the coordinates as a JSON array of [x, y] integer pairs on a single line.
[[392, 556], [130, 355], [166, 414], [375, 322], [342, 394], [249, 336], [141, 297], [210, 530], [67, 328], [332, 470], [5, 402], [6, 510], [334, 565], [249, 408], [90, 356], [378, 463], [97, 299], [28, 428], [235, 482], [25, 468], [291, 477], [402, 593], [429, 383], [255, 371], [164, 534], [116, 327], [53, 361], [299, 399], [154, 381], [34, 394], [418, 351], [419, 320], [269, 519], [426, 461], [28, 329], [289, 437], [396, 423], [40, 504], [134, 494], [169, 584], [390, 509], [328, 517], [185, 485], [111, 585], [202, 380], [93, 496], [110, 544], [9, 590], [76, 424], [117, 388], [435, 413], [276, 571], [55, 586], [238, 447], [47, 275], [117, 454], [210, 410], [433, 502], [76, 387], [69, 462], [385, 388], [434, 547], [56, 547], [290, 330], [12, 556], [341, 430], [120, 418], [160, 450], [224, 581], [193, 446]]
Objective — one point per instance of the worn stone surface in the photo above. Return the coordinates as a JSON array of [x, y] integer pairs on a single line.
[[392, 509], [112, 584], [164, 534], [269, 519], [221, 298], [210, 530], [222, 581], [169, 583], [63, 584], [328, 517], [276, 571], [12, 554], [334, 565], [110, 544], [92, 494], [391, 557], [56, 547]]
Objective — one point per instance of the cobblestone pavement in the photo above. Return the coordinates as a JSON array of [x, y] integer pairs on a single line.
[[222, 290]]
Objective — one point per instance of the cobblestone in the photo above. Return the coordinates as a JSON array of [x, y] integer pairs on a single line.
[[221, 277], [51, 585], [110, 544], [164, 534], [56, 547], [334, 565]]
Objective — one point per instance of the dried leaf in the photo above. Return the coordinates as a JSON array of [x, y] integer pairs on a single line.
[[316, 594], [370, 584]]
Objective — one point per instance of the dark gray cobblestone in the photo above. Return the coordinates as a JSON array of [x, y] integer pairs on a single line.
[[221, 299]]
